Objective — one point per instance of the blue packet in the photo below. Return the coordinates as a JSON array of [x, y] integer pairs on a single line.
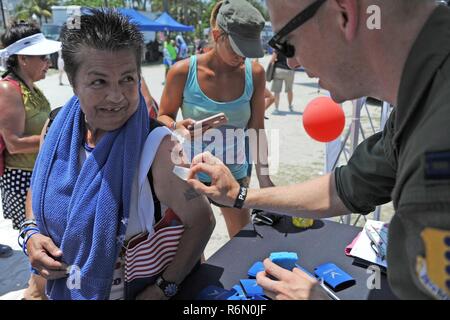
[[258, 266], [251, 288], [259, 297], [286, 260], [239, 295], [216, 293], [334, 276]]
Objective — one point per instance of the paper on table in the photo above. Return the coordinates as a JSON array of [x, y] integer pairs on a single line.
[[363, 249]]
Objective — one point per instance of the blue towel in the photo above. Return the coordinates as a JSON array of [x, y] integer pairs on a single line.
[[85, 210]]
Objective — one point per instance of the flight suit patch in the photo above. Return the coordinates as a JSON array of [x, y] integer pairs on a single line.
[[434, 269], [437, 165]]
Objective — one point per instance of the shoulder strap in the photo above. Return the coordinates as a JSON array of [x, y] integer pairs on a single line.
[[249, 87], [153, 125], [15, 83], [191, 79]]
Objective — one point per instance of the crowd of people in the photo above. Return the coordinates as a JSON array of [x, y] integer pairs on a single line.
[[90, 186]]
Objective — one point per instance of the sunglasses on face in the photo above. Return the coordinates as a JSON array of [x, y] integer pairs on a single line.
[[44, 57], [278, 42]]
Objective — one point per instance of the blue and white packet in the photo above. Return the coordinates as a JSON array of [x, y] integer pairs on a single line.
[[334, 276]]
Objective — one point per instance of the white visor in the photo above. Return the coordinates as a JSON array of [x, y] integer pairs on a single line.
[[35, 45]]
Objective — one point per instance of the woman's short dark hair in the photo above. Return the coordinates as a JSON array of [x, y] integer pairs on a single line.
[[100, 29], [18, 30]]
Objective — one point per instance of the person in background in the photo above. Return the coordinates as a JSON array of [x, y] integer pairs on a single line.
[[23, 112], [197, 87], [173, 50], [60, 68], [183, 52], [269, 98], [283, 74], [169, 56]]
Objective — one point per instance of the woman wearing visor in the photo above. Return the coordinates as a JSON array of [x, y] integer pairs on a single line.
[[23, 113], [223, 80]]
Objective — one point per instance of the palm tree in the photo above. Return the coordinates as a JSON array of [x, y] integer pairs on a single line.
[[40, 8]]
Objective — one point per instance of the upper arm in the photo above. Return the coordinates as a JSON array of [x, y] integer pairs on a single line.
[[257, 101], [172, 96], [369, 177], [175, 193], [12, 112]]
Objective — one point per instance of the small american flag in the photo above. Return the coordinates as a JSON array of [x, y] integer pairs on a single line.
[[148, 256]]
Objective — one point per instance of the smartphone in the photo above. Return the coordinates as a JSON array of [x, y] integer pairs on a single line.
[[210, 122]]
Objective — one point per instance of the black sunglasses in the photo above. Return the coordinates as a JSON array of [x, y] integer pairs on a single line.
[[45, 57], [285, 48]]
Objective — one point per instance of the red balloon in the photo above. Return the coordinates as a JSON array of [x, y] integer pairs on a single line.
[[323, 119]]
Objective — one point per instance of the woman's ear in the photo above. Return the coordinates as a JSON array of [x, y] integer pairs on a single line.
[[22, 60], [216, 34]]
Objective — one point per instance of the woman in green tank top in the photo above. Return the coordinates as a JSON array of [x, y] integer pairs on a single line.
[[23, 113]]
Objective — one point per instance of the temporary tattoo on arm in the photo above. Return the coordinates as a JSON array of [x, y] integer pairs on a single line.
[[191, 194]]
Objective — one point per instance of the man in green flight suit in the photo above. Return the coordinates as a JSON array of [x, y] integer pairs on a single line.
[[406, 62]]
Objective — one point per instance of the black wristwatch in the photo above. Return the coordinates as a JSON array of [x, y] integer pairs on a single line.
[[169, 288]]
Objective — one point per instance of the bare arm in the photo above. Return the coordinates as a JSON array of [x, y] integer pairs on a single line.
[[172, 97], [258, 139], [193, 209], [12, 122], [315, 199]]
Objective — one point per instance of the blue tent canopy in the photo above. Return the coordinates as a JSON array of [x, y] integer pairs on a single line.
[[171, 24], [143, 23]]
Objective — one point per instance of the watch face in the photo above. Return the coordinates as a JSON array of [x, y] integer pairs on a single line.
[[171, 289]]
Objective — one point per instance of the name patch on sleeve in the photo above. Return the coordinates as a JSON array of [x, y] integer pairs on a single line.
[[437, 165]]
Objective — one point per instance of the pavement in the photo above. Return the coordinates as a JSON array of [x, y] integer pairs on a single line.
[[296, 158]]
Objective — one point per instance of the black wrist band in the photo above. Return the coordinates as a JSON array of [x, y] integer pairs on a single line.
[[239, 203]]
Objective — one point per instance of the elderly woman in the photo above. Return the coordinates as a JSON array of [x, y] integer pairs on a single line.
[[103, 182], [23, 112]]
